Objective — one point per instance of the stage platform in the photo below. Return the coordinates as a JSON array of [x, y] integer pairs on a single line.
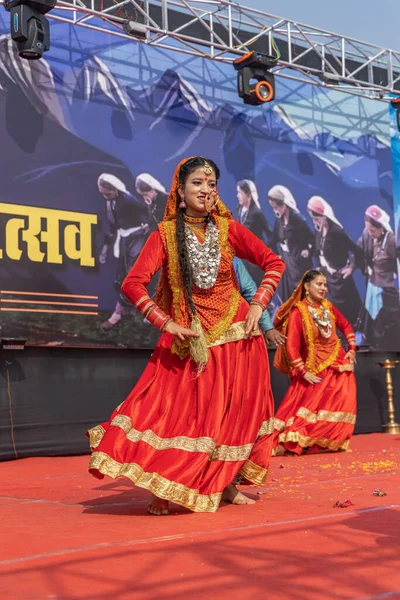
[[67, 536]]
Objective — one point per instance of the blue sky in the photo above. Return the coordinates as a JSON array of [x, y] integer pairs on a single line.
[[377, 22]]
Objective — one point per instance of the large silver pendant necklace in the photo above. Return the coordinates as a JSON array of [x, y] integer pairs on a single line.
[[204, 258], [322, 321]]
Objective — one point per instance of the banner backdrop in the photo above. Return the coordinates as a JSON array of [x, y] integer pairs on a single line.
[[90, 137], [395, 140]]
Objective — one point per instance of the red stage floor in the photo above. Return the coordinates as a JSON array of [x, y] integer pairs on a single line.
[[66, 536]]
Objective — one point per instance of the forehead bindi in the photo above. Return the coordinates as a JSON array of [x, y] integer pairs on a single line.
[[199, 175]]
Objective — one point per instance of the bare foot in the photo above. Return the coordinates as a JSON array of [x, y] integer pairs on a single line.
[[232, 495], [157, 506]]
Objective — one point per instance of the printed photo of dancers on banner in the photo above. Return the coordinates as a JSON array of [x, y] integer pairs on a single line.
[[88, 154]]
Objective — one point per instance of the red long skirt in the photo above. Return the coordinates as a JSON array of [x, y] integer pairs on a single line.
[[185, 438], [317, 416]]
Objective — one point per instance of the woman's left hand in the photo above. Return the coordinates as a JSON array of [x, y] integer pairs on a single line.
[[351, 357], [272, 336], [252, 318]]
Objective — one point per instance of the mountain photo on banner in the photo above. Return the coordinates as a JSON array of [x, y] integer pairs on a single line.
[[131, 112]]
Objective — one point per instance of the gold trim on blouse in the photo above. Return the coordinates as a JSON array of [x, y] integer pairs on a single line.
[[233, 334]]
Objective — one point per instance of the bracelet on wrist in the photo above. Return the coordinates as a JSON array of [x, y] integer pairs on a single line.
[[165, 324], [256, 303]]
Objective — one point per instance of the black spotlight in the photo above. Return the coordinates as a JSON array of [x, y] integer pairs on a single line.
[[252, 66], [396, 104], [29, 27]]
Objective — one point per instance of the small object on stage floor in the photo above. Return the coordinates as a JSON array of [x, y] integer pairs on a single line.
[[344, 504], [379, 492], [391, 426]]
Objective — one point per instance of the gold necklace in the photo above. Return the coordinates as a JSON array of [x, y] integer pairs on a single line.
[[317, 305], [189, 219]]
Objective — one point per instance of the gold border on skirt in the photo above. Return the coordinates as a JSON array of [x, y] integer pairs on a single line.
[[155, 483], [305, 441], [201, 444]]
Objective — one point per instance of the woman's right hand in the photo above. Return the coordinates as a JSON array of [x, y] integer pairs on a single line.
[[180, 333], [211, 200], [310, 378]]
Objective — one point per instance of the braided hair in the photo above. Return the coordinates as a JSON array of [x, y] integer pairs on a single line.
[[186, 169], [308, 277]]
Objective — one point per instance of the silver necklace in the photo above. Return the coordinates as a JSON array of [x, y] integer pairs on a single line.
[[323, 321], [204, 258]]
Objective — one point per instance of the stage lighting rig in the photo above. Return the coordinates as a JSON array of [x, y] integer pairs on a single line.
[[136, 30], [255, 82], [395, 102], [29, 27]]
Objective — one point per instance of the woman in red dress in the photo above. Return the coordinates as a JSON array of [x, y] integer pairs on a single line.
[[319, 409], [202, 411]]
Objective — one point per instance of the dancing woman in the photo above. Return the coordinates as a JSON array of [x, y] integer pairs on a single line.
[[319, 408], [202, 411]]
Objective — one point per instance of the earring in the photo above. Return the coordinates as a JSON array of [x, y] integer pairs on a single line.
[[183, 205]]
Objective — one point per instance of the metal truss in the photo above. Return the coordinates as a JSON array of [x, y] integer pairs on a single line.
[[221, 30]]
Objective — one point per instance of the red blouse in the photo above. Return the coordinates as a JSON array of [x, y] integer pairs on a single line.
[[308, 350], [212, 305]]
